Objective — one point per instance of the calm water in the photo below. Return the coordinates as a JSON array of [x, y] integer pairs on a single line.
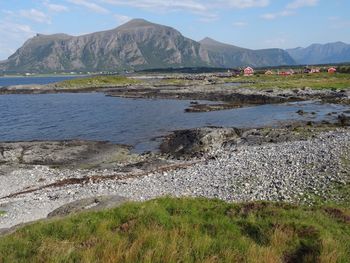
[[136, 122], [9, 81]]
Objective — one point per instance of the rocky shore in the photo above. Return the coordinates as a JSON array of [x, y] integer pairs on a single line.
[[296, 164], [223, 95]]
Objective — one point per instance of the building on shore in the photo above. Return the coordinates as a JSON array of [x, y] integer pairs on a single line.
[[332, 70], [286, 72], [248, 71]]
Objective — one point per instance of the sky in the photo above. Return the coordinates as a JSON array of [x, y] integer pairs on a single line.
[[254, 24]]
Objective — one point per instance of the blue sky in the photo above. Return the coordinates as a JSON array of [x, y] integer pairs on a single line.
[[248, 23]]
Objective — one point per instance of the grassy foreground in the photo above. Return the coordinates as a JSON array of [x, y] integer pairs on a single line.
[[96, 81], [314, 81], [187, 230]]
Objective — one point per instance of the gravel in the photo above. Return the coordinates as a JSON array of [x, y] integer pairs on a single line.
[[294, 171]]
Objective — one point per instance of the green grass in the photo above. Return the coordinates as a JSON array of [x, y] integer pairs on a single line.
[[97, 81], [175, 82], [187, 230], [2, 213], [314, 81]]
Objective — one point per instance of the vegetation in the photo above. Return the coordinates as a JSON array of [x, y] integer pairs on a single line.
[[344, 69], [97, 81], [2, 213], [175, 82], [314, 81], [187, 230]]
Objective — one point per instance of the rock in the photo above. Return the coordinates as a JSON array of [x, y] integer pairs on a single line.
[[88, 204], [301, 112], [344, 120], [197, 141], [74, 153]]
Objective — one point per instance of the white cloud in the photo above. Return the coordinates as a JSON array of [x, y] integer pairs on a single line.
[[90, 5], [204, 9], [207, 18], [240, 24], [289, 10], [271, 16], [121, 19], [13, 35], [195, 6], [161, 4], [247, 3], [55, 8], [302, 3], [35, 15]]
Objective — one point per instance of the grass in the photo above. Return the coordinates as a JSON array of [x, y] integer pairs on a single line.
[[187, 230], [2, 213], [175, 82], [97, 81], [314, 81]]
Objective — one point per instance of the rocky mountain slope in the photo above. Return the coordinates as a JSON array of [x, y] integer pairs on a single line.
[[337, 52], [138, 44], [224, 55]]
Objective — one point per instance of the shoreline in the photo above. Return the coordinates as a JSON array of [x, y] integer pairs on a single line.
[[294, 164]]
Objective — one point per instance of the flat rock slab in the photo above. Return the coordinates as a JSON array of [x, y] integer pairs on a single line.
[[72, 153], [88, 204]]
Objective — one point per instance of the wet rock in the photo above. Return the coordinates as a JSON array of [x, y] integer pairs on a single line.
[[197, 141], [344, 120], [301, 112]]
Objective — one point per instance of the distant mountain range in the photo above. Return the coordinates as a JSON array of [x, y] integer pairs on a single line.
[[337, 52], [140, 44]]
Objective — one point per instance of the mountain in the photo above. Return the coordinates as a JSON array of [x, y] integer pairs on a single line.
[[224, 55], [138, 44], [337, 52]]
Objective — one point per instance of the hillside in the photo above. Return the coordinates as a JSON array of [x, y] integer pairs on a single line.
[[224, 55], [187, 230]]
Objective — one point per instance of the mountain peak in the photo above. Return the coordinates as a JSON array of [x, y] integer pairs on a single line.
[[135, 23], [209, 41]]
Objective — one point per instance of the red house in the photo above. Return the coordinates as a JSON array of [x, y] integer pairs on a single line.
[[248, 71], [332, 70], [287, 73]]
